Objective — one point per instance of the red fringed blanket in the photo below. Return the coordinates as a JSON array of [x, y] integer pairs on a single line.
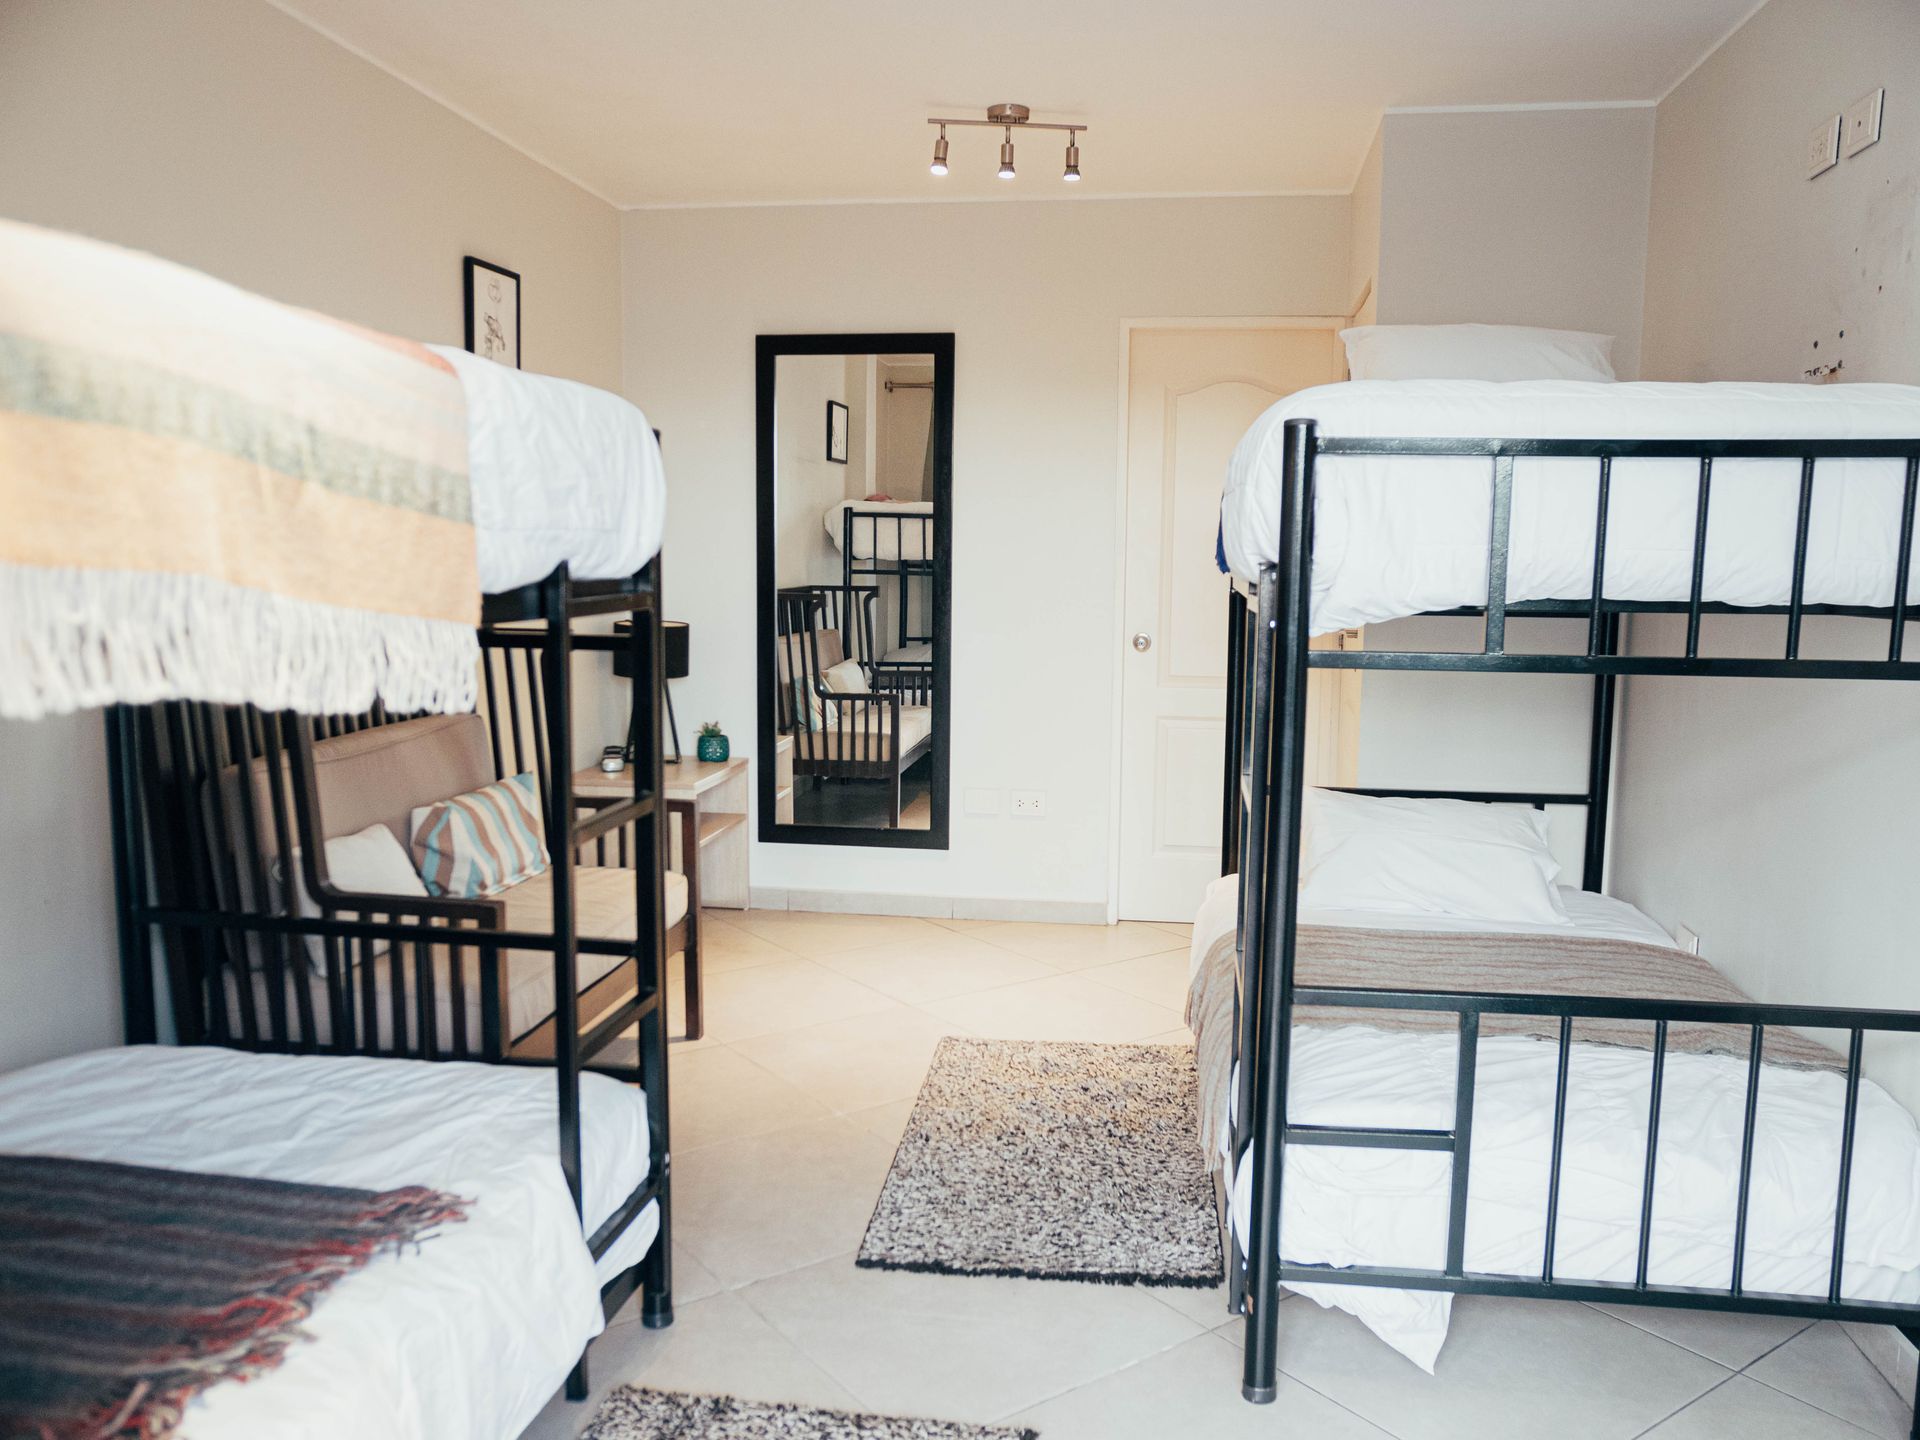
[[125, 1291]]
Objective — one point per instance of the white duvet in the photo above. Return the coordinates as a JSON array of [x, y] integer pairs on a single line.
[[882, 537], [1397, 536], [465, 1338], [1359, 1207], [560, 471]]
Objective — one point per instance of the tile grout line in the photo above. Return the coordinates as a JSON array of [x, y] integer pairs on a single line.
[[1048, 1399], [1726, 1379]]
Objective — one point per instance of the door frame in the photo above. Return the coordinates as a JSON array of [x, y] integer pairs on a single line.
[[1128, 328]]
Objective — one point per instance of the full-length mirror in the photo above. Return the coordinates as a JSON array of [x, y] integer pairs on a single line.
[[855, 443]]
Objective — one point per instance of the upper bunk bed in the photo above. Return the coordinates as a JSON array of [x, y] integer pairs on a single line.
[[1804, 496], [257, 537], [1376, 500]]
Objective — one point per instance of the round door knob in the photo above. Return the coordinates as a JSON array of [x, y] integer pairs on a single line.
[[1143, 642]]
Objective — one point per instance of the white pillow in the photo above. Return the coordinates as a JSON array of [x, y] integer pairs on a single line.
[[1428, 857], [1476, 352], [369, 862], [846, 678]]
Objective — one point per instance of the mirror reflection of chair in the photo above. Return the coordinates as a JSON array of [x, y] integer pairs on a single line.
[[844, 727]]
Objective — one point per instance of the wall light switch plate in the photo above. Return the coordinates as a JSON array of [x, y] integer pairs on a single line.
[[1823, 146], [1689, 941], [1029, 804], [1863, 121], [983, 802]]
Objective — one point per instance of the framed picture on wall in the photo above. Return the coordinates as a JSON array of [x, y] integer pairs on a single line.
[[837, 432], [493, 312]]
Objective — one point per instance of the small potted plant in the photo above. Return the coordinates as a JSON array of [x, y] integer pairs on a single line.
[[713, 747]]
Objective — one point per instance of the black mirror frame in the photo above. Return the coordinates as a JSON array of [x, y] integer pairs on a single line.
[[767, 351]]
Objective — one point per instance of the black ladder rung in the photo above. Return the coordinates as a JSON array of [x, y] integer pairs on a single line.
[[1371, 1137]]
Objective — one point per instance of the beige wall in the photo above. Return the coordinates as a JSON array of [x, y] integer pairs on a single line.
[[1777, 820], [1035, 294], [1749, 261], [1517, 217], [223, 134], [1363, 236]]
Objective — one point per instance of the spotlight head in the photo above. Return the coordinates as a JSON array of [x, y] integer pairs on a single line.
[[1072, 175], [940, 153], [1006, 159]]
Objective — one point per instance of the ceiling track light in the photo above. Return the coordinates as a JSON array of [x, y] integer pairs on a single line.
[[1004, 118]]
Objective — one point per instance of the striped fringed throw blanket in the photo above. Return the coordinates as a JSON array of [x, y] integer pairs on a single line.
[[126, 1291], [1338, 957], [208, 495]]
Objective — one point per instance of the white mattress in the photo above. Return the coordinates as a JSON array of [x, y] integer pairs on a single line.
[[466, 1337], [1397, 536], [560, 471], [883, 539], [1355, 1207]]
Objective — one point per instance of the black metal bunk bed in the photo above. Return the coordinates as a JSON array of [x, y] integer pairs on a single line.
[[387, 952], [905, 666], [1268, 670]]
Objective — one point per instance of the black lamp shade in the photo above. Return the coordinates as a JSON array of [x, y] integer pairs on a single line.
[[674, 634]]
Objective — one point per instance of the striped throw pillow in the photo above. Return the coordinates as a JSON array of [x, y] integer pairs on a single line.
[[482, 842]]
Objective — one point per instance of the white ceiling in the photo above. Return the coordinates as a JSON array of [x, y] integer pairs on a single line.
[[705, 102]]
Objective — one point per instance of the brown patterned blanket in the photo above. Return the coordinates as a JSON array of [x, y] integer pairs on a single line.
[[1338, 957], [125, 1291]]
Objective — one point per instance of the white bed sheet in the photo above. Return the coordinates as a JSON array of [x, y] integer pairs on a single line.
[[1354, 1207], [883, 539], [466, 1337], [560, 471], [1397, 536]]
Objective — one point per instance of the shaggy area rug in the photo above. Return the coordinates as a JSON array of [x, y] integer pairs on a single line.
[[635, 1413], [1053, 1161]]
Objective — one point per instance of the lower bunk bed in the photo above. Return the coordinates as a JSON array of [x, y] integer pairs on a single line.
[[465, 1336], [1558, 1186]]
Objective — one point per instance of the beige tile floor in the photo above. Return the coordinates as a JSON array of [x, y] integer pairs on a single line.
[[785, 1117]]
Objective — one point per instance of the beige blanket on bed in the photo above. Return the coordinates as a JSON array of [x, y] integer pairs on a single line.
[[208, 495], [1343, 958]]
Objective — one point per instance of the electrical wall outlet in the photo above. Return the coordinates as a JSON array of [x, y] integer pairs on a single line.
[[982, 802], [1863, 121], [1029, 804], [1689, 941], [1823, 146]]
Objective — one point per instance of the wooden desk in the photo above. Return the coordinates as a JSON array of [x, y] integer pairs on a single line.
[[719, 795]]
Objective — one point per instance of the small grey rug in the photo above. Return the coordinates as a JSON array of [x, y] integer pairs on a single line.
[[1054, 1161], [635, 1413]]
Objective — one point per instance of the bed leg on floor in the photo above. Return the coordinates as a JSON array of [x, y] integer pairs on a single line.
[[577, 1380]]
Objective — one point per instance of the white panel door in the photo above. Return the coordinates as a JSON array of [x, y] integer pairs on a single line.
[[1192, 393]]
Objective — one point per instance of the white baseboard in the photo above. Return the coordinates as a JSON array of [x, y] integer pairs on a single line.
[[931, 907], [1890, 1352]]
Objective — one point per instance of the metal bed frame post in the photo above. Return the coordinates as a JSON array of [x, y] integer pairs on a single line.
[[138, 1019], [1600, 760], [1272, 1001], [649, 861]]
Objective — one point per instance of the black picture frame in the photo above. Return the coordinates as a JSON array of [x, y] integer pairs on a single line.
[[471, 281], [767, 351], [846, 420]]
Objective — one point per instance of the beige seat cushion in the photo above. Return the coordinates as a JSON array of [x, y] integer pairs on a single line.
[[870, 741], [605, 903]]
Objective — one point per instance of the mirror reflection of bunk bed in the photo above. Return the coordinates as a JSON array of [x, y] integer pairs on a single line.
[[888, 545], [845, 724]]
